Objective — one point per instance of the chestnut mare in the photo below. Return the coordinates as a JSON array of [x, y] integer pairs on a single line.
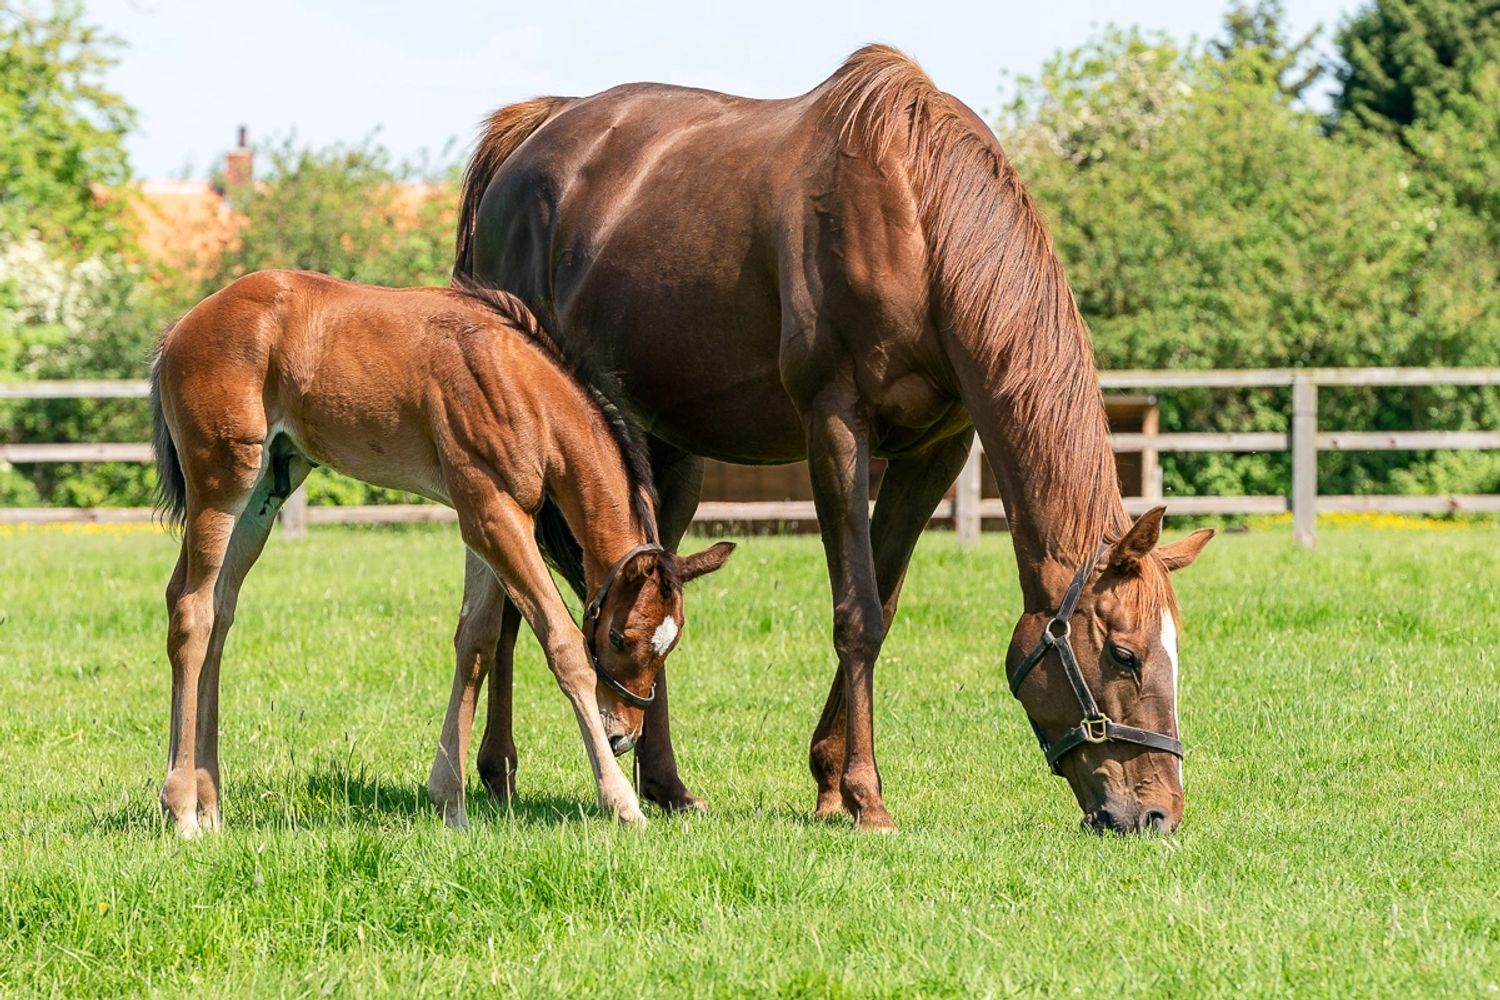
[[851, 273], [455, 395]]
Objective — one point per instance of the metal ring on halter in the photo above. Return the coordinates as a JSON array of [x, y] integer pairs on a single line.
[[591, 627]]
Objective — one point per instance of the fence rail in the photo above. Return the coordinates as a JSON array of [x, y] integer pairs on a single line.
[[967, 509]]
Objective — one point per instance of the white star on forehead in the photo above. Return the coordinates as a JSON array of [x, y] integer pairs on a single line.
[[664, 636]]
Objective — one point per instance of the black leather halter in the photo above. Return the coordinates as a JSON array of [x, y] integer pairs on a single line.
[[1096, 727], [591, 625]]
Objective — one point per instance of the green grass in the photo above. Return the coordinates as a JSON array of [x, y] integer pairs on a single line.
[[1342, 836]]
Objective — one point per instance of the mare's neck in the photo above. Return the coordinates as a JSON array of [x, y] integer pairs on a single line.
[[1033, 394]]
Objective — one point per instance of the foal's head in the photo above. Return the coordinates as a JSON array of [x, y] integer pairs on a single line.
[[638, 625], [1124, 635]]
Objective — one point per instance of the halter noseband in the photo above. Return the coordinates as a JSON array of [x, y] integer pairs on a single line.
[[591, 624], [1096, 727]]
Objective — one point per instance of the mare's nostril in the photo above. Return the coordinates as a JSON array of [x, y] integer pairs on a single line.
[[620, 744], [1102, 820], [1155, 819]]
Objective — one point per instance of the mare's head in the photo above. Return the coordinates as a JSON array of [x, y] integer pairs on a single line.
[[1123, 634], [639, 622]]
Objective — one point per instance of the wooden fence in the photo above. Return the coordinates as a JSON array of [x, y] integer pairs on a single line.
[[967, 510]]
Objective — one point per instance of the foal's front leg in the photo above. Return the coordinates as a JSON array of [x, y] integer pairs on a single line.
[[474, 645], [502, 533]]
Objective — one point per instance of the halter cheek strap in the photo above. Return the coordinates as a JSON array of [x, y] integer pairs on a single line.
[[1096, 727], [591, 626]]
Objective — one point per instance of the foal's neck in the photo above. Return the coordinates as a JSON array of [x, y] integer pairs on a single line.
[[591, 485]]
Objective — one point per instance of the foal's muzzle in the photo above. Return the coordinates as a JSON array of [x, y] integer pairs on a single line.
[[621, 744]]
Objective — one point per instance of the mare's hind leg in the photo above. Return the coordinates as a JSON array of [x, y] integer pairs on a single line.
[[474, 644], [679, 483], [497, 753], [909, 493], [251, 529]]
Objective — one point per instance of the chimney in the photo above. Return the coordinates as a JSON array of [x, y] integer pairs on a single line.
[[238, 170]]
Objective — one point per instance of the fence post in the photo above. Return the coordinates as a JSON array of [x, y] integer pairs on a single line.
[[966, 500], [1304, 461], [294, 515]]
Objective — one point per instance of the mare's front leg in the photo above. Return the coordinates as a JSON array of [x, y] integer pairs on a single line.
[[497, 752], [910, 491], [497, 529], [479, 623], [838, 451], [679, 483]]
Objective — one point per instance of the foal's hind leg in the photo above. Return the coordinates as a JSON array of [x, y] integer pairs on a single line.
[[479, 632], [190, 599], [251, 529]]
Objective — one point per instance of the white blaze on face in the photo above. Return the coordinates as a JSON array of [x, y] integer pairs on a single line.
[[1169, 643], [664, 636]]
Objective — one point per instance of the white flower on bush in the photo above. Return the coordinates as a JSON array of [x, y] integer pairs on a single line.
[[45, 301]]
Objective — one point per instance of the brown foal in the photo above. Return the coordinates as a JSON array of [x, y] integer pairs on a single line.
[[855, 272], [452, 394]]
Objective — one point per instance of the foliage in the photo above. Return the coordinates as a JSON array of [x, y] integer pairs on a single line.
[[1229, 230], [1427, 73], [1407, 62], [1257, 30], [61, 130], [1338, 840], [347, 211]]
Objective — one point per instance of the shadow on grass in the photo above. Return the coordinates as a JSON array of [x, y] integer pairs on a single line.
[[330, 799]]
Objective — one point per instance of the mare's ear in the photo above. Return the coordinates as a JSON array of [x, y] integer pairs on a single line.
[[693, 566], [1142, 537], [1182, 552]]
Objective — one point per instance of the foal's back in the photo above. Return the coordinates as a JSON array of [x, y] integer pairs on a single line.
[[386, 385]]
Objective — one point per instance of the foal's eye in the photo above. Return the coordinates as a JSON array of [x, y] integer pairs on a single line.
[[616, 639], [1124, 657]]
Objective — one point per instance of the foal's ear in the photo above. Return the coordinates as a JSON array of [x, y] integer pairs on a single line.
[[640, 566], [1142, 537], [693, 566], [1182, 552]]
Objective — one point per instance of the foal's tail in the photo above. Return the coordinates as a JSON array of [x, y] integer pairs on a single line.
[[503, 133], [171, 486]]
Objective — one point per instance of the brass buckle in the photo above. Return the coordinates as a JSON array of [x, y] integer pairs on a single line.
[[1096, 730]]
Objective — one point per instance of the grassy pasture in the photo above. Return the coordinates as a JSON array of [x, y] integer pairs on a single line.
[[1341, 711]]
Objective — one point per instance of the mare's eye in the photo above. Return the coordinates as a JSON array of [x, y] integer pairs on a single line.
[[616, 639], [1124, 657]]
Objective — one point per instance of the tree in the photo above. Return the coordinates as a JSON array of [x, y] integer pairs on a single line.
[[1405, 62], [345, 211], [61, 131], [1257, 30], [1229, 230], [1427, 73]]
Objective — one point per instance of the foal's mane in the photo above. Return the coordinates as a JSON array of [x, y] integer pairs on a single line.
[[557, 542], [998, 283]]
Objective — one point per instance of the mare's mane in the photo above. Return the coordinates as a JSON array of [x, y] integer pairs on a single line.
[[998, 281]]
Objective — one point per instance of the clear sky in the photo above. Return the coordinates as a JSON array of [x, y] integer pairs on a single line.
[[424, 73]]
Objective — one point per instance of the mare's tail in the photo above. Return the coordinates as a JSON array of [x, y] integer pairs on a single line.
[[503, 133], [171, 486]]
